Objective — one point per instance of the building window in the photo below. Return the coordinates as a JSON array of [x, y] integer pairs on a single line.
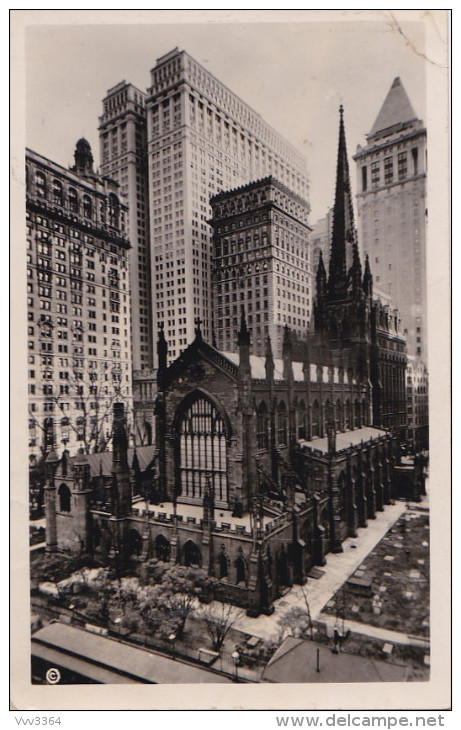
[[87, 206], [375, 174], [282, 437], [64, 498], [364, 178], [315, 426], [262, 426], [57, 192], [202, 450], [40, 184], [388, 170], [414, 153], [402, 165], [73, 200]]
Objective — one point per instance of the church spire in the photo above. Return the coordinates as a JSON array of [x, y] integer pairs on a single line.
[[367, 278], [343, 236]]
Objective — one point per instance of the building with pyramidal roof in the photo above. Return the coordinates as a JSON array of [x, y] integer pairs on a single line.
[[391, 202]]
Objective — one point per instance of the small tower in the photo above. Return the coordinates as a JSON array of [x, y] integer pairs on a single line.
[[83, 158], [121, 483], [81, 494]]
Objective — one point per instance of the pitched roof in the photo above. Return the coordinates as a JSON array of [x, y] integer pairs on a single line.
[[396, 109], [296, 661], [101, 462]]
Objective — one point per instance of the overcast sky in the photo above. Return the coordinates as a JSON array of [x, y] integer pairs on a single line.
[[294, 74]]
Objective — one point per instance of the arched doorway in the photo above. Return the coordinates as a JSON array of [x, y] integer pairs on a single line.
[[133, 544], [162, 548], [192, 555]]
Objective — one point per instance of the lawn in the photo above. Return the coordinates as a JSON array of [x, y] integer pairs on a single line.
[[398, 569]]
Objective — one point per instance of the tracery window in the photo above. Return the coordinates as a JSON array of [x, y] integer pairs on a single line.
[[262, 426], [282, 437], [203, 451]]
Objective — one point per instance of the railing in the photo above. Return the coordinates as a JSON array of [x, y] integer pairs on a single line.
[[224, 661]]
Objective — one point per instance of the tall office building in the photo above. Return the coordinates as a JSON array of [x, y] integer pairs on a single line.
[[202, 139], [123, 150], [320, 240], [260, 265], [78, 304], [391, 202]]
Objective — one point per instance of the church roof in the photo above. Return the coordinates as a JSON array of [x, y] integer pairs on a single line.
[[101, 462], [396, 109], [344, 440]]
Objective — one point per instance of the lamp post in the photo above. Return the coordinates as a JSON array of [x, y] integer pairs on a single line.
[[235, 657], [172, 639]]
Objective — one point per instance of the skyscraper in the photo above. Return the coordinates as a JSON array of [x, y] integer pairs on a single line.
[[123, 149], [78, 304], [261, 264], [391, 180], [201, 139]]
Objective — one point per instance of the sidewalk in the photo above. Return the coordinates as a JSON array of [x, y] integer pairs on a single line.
[[376, 632], [338, 568]]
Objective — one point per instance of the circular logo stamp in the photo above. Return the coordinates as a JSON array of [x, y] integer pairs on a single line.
[[53, 675]]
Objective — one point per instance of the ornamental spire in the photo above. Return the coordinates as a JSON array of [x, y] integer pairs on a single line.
[[343, 236]]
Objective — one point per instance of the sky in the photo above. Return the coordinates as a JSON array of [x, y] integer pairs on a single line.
[[294, 74]]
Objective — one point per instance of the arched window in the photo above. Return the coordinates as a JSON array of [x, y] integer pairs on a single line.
[[87, 206], [57, 192], [73, 200], [302, 420], [347, 415], [40, 184], [315, 419], [240, 569], [282, 437], [262, 426], [162, 548], [223, 564], [48, 430], [65, 430], [202, 450], [113, 210], [192, 555], [80, 423], [364, 413], [339, 415], [357, 415], [64, 498]]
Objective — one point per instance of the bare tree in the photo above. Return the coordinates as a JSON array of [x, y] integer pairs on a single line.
[[219, 619]]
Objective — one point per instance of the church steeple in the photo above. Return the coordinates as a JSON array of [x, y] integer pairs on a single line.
[[367, 279], [343, 236]]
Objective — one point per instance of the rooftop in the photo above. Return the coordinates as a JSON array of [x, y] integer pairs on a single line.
[[396, 109], [296, 661]]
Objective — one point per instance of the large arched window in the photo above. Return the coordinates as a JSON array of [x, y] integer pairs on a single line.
[[203, 452], [262, 426], [282, 436]]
